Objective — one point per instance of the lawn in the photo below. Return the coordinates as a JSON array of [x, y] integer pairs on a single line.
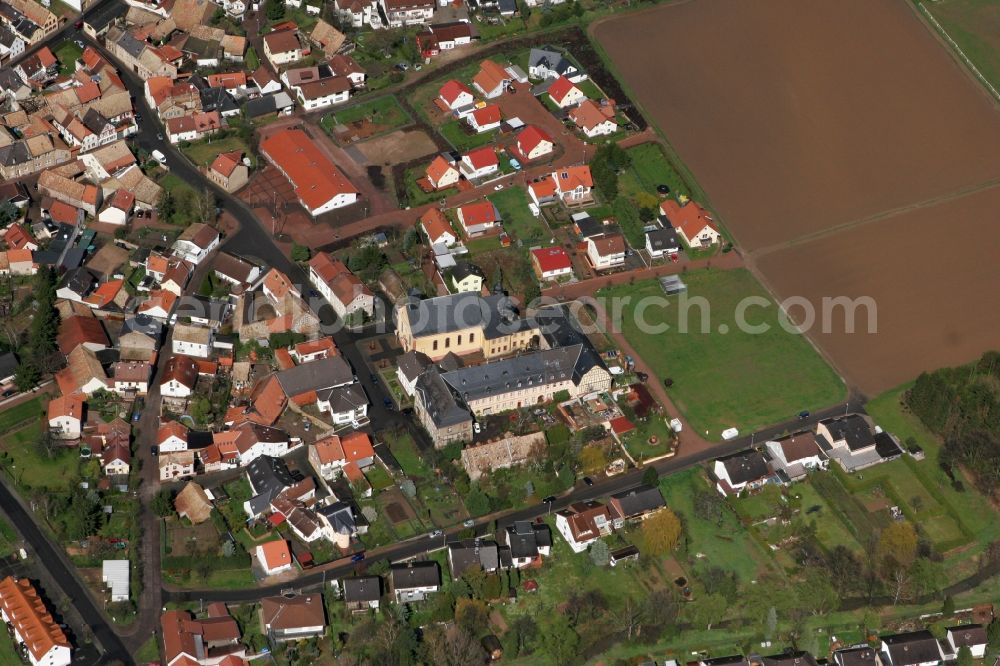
[[517, 218], [67, 54], [21, 413], [723, 376], [726, 545], [638, 441], [405, 449], [462, 137], [416, 196], [650, 168], [203, 153], [384, 111], [590, 89], [975, 27], [32, 468], [8, 655], [251, 60], [830, 529], [149, 652]]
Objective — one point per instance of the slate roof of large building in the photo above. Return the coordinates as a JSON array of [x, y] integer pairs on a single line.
[[532, 369], [443, 314], [315, 375], [414, 574], [439, 401]]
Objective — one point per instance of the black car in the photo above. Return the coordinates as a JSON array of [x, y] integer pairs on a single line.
[[663, 189], [549, 500], [8, 393], [589, 481], [803, 414]]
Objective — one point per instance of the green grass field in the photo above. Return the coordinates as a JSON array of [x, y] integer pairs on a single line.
[[204, 152], [31, 468], [725, 377], [384, 111], [975, 27], [455, 133], [21, 413], [67, 54], [650, 168], [517, 218]]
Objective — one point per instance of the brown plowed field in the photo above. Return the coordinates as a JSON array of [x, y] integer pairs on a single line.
[[817, 129]]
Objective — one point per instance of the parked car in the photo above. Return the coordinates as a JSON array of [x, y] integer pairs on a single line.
[[477, 428], [357, 557], [803, 414], [549, 500], [436, 534], [469, 523], [589, 481], [155, 450]]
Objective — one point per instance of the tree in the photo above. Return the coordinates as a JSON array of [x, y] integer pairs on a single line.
[[948, 607], [472, 616], [708, 610], [661, 608], [275, 10], [771, 625], [477, 502], [651, 477], [228, 548], [709, 506], [897, 546], [559, 640], [163, 503], [522, 633], [592, 459], [300, 253], [993, 634], [964, 656], [27, 375], [46, 444], [599, 554], [629, 617], [661, 531]]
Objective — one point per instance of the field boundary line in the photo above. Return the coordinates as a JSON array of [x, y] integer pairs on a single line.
[[957, 49], [875, 217]]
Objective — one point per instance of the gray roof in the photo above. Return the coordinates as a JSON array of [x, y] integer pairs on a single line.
[[539, 368], [915, 647], [470, 553], [663, 239], [79, 281], [853, 429], [443, 314], [315, 375], [439, 401], [130, 44], [745, 466], [94, 121], [855, 656], [217, 99], [269, 476], [15, 153], [968, 635], [525, 538], [144, 324], [261, 106], [799, 658], [362, 588], [414, 574], [8, 364], [560, 328], [344, 398], [547, 57], [202, 307], [464, 269], [341, 517], [412, 363], [639, 500]]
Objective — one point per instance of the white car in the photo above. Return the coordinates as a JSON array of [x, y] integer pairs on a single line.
[[730, 433], [477, 428], [498, 187]]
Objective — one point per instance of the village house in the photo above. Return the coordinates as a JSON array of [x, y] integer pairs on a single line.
[[413, 581], [439, 412], [172, 436], [409, 367], [551, 262], [467, 277], [455, 95], [595, 118], [972, 636], [564, 93], [583, 523], [854, 443], [478, 218], [444, 37], [118, 209], [547, 63], [486, 119], [606, 251], [340, 287], [662, 241], [83, 373], [403, 13], [196, 242], [210, 641], [179, 377], [193, 127], [193, 503], [437, 228], [528, 543], [636, 504], [65, 415], [293, 618], [362, 593], [228, 171], [235, 270], [479, 163], [914, 648], [327, 457], [534, 143], [693, 223], [282, 47], [793, 456], [441, 173], [31, 626], [469, 554], [131, 378], [274, 557], [746, 470], [191, 340], [344, 66], [176, 465], [492, 79], [81, 330]]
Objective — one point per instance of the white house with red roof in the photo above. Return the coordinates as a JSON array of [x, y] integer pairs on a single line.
[[339, 286], [480, 163], [595, 118], [172, 436], [437, 228], [693, 223], [441, 173], [274, 557], [565, 94], [551, 263], [485, 119], [478, 218], [455, 95], [66, 416], [118, 208], [573, 184], [534, 143]]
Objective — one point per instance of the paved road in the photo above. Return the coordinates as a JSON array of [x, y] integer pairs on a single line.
[[64, 573], [419, 545]]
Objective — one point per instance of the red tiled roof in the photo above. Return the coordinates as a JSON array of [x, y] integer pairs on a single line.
[[436, 224], [227, 80], [451, 90], [530, 137], [77, 330], [488, 115], [357, 446], [171, 429], [482, 157], [550, 259], [225, 163], [329, 450], [490, 75], [438, 167], [66, 405], [276, 554], [27, 613], [316, 179], [481, 212], [690, 218], [572, 177]]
